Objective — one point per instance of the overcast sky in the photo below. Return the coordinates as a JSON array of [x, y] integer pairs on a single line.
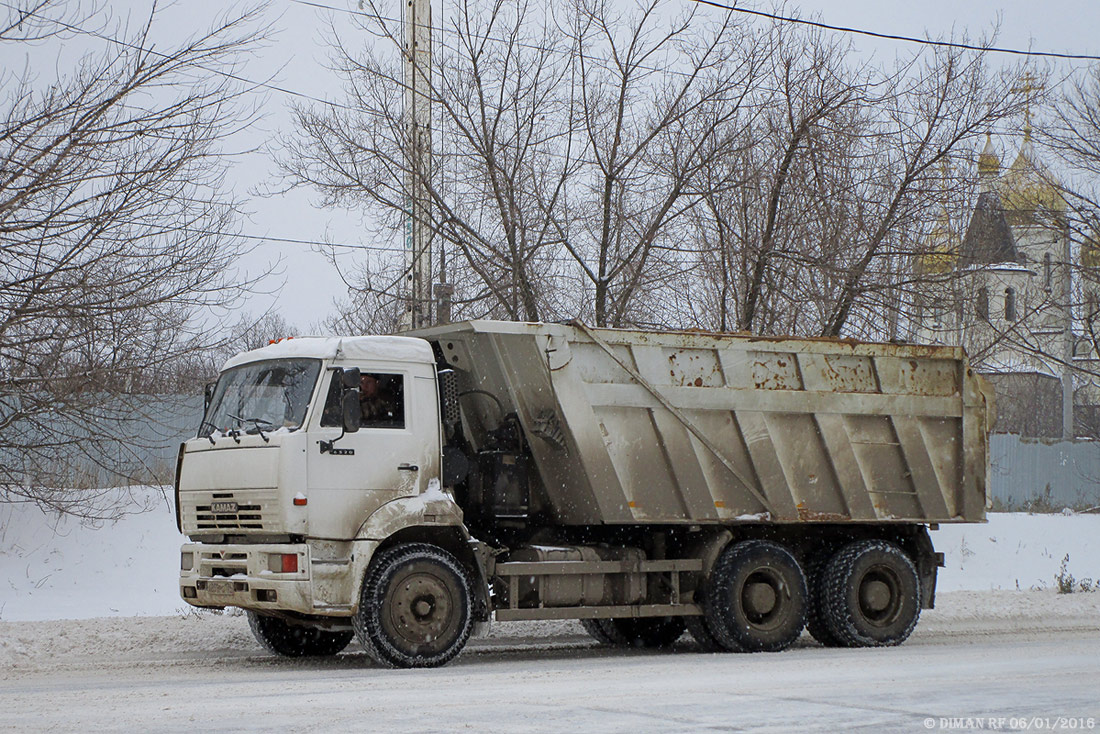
[[307, 285]]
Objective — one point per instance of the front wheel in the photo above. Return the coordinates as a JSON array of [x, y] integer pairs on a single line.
[[293, 641], [816, 623], [414, 609]]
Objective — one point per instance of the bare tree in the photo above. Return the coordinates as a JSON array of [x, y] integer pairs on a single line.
[[653, 165], [767, 210], [1071, 137], [116, 240], [569, 144], [816, 230], [938, 104], [656, 100], [495, 87]]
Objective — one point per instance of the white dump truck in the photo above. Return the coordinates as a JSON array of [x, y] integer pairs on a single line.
[[405, 489]]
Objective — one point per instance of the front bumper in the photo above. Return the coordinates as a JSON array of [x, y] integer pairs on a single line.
[[242, 576]]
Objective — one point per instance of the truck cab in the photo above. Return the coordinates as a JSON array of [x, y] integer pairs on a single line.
[[286, 494]]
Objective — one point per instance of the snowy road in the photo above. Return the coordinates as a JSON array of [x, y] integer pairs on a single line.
[[971, 658]]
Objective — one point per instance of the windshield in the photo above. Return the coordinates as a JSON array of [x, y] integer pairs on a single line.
[[261, 396]]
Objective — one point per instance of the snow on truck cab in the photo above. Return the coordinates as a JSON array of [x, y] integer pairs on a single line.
[[402, 489]]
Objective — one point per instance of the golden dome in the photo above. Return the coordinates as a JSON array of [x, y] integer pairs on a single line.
[[940, 251], [936, 262], [1028, 192], [989, 164], [1090, 250]]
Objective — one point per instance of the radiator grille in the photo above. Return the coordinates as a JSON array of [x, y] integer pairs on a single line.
[[233, 511], [247, 517]]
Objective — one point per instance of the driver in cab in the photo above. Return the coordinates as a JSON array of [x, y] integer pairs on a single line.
[[378, 403]]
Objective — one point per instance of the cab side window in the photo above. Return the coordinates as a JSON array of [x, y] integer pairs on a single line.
[[382, 400]]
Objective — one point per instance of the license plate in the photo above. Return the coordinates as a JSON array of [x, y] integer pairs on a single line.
[[223, 506], [219, 587]]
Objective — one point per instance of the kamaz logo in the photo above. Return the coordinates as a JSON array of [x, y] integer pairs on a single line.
[[223, 506]]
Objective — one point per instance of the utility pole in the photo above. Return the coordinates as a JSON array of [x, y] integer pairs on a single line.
[[1069, 430], [418, 119]]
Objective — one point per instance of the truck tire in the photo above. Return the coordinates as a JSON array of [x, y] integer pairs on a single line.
[[415, 607], [815, 608], [704, 638], [596, 629], [643, 631], [293, 641], [756, 598], [871, 595]]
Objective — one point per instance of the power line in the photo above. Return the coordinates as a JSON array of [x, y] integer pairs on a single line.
[[566, 51], [892, 37], [292, 240], [377, 113], [341, 245], [761, 14]]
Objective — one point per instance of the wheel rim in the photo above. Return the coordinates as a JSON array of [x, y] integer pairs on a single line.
[[762, 598], [880, 596], [421, 611]]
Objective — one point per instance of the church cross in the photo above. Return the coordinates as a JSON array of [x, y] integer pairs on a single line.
[[1028, 87]]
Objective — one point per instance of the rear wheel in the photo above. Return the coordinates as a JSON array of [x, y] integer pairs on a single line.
[[871, 595], [698, 627], [414, 610], [700, 632], [293, 641], [756, 598], [597, 631], [815, 608], [644, 631]]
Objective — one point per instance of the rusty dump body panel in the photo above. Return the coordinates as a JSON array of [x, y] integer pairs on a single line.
[[629, 427]]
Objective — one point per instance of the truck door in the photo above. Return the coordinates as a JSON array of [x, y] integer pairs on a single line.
[[394, 453]]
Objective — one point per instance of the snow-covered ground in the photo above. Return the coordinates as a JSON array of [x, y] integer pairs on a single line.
[[58, 568], [61, 569], [94, 638], [1015, 550], [1024, 657]]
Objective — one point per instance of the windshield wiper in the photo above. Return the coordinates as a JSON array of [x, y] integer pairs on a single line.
[[256, 422]]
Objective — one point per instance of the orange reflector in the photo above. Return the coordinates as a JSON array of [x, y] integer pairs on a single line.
[[300, 501], [290, 563]]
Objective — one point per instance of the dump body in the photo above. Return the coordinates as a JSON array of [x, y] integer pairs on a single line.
[[629, 427]]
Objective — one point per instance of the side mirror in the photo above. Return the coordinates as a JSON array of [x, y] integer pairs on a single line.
[[350, 378], [352, 413], [207, 395]]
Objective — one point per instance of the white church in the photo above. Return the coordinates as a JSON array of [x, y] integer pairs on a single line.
[[1006, 288]]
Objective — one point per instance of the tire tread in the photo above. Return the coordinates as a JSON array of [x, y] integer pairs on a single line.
[[719, 614], [839, 618], [288, 640], [367, 626]]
